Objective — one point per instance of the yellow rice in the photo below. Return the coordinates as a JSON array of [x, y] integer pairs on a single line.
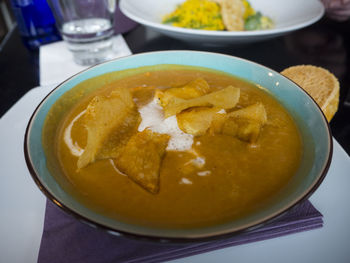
[[196, 14]]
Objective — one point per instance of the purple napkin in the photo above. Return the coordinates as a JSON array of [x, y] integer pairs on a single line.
[[65, 239]]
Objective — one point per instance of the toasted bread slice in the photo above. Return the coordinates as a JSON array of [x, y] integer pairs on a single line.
[[191, 90], [225, 98], [196, 121], [110, 122], [232, 12], [319, 83], [245, 123], [142, 157]]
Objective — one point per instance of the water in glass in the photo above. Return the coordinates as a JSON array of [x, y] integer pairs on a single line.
[[89, 39]]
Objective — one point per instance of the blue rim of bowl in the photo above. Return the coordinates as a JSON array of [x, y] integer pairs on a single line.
[[159, 239]]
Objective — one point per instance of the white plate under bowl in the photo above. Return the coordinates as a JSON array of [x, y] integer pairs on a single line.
[[288, 15]]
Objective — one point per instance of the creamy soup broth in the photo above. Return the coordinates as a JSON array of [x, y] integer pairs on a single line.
[[236, 179]]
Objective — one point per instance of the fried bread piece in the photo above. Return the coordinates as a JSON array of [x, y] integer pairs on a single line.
[[217, 123], [245, 123], [196, 121], [319, 83], [141, 159], [255, 112], [243, 129], [226, 98], [232, 12], [120, 135], [193, 89], [110, 122]]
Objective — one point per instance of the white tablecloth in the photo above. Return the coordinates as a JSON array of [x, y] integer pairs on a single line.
[[56, 61]]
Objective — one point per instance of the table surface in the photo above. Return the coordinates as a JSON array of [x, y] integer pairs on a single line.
[[325, 44]]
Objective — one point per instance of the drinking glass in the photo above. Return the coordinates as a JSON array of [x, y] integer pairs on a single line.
[[35, 22], [87, 28]]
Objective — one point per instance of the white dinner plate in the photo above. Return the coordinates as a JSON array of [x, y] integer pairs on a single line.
[[288, 15]]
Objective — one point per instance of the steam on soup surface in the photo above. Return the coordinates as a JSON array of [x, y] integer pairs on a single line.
[[182, 147]]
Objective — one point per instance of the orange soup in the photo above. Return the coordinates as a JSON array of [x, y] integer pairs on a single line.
[[177, 148]]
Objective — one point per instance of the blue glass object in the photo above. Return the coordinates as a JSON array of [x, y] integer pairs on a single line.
[[36, 22]]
